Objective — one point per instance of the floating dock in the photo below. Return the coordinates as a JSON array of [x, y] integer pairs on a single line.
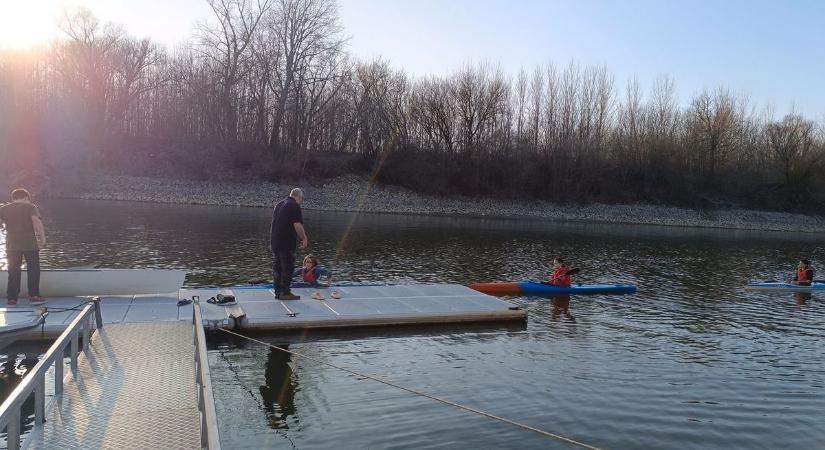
[[358, 306], [257, 308]]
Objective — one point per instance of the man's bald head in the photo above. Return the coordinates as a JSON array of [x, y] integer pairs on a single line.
[[297, 194]]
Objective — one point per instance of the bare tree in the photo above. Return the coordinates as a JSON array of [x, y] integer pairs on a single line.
[[662, 108], [551, 109], [479, 94], [536, 102], [434, 109], [792, 143], [712, 127], [304, 31], [631, 118], [521, 102], [131, 62], [604, 103], [227, 45], [84, 60], [570, 87]]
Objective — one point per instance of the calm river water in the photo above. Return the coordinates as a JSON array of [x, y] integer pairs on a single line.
[[690, 361]]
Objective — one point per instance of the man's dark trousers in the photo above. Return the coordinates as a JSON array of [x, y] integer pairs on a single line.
[[15, 262], [283, 266]]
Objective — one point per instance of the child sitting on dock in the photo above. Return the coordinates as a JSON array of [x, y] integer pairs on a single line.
[[804, 274], [561, 274], [310, 271]]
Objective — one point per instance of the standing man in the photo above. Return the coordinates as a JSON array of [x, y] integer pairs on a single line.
[[24, 237], [287, 232]]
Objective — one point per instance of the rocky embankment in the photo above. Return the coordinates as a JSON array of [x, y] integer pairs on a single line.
[[358, 194]]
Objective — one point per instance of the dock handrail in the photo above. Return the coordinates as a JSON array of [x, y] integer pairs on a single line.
[[210, 438], [35, 381]]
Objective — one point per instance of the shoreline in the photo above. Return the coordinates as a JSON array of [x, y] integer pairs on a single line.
[[351, 193]]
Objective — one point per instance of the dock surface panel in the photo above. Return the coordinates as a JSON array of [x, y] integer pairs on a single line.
[[358, 306], [135, 389], [115, 310], [257, 308]]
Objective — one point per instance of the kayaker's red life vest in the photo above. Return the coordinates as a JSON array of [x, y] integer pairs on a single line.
[[309, 275], [802, 275], [560, 277]]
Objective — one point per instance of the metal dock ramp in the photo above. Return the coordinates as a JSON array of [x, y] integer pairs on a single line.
[[134, 390], [134, 385]]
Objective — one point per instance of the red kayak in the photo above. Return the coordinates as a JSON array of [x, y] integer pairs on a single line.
[[498, 288]]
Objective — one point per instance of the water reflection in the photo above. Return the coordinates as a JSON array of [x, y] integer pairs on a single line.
[[561, 305], [279, 391], [801, 297], [13, 368]]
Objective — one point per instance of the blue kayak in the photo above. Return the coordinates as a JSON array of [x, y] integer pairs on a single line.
[[535, 288], [780, 286]]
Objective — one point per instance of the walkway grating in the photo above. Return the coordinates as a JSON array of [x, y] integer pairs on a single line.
[[135, 389]]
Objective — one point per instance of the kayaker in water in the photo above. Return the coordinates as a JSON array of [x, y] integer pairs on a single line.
[[561, 274], [804, 274], [310, 272]]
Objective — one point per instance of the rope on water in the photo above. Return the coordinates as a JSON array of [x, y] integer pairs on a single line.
[[422, 394]]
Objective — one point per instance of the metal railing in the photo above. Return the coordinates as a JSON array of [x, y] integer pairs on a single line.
[[210, 439], [35, 381]]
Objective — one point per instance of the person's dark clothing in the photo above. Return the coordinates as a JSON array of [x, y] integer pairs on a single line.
[[283, 265], [17, 218], [282, 232], [15, 263], [804, 277], [21, 243], [283, 242]]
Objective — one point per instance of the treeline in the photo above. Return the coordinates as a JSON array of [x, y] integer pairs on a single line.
[[267, 90]]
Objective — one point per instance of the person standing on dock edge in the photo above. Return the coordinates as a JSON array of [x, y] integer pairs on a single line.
[[25, 236], [286, 233]]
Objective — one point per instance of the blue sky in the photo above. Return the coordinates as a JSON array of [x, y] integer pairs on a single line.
[[772, 51]]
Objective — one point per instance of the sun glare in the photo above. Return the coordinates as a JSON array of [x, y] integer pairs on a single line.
[[27, 23], [24, 23]]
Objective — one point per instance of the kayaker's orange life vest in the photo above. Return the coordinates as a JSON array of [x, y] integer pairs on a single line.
[[802, 275], [560, 277], [309, 275]]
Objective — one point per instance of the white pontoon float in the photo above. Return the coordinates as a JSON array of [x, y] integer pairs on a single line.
[[17, 323], [81, 282]]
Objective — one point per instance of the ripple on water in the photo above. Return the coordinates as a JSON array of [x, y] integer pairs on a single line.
[[690, 361]]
